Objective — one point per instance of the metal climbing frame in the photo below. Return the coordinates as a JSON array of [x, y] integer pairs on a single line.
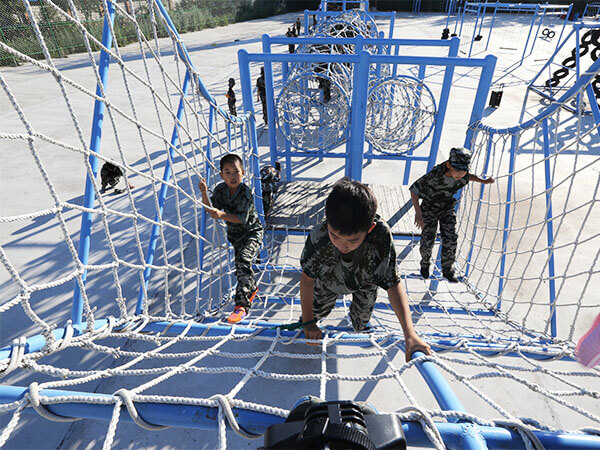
[[551, 88], [354, 153], [591, 11], [320, 16], [456, 434], [343, 5], [480, 10]]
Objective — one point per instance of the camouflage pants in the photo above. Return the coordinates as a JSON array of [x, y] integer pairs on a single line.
[[245, 251], [361, 308], [447, 220]]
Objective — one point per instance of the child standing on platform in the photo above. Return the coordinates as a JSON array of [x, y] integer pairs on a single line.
[[352, 252], [436, 189], [231, 98], [233, 202]]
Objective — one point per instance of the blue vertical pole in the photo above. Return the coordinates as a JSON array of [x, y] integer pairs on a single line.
[[392, 23], [208, 172], [535, 14], [266, 43], [511, 170], [162, 195], [89, 198], [549, 227], [474, 30], [288, 146], [359, 112], [483, 89], [491, 28], [562, 30], [408, 163], [306, 23], [442, 106], [358, 48]]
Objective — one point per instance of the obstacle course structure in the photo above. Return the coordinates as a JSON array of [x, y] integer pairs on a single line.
[[476, 21], [561, 74], [168, 360]]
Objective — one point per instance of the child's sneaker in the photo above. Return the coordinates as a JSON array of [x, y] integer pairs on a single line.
[[237, 315], [251, 298], [588, 347]]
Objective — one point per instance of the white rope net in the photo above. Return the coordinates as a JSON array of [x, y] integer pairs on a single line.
[[179, 350]]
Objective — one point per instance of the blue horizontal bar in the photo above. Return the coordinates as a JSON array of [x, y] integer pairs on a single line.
[[373, 59], [205, 418], [364, 40]]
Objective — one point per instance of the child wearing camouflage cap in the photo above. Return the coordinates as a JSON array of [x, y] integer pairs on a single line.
[[352, 252], [436, 189]]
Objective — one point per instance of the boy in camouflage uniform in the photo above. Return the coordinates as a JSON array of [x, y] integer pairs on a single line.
[[232, 201], [270, 177], [436, 189], [352, 252], [262, 94], [231, 98]]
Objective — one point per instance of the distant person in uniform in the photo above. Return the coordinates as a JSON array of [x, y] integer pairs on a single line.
[[270, 177], [262, 94], [231, 98], [352, 252], [298, 25], [289, 33], [436, 191]]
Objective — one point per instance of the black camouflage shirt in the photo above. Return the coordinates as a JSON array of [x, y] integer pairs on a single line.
[[373, 262], [436, 189], [242, 205]]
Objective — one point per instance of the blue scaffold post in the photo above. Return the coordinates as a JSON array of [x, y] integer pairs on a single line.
[[85, 235]]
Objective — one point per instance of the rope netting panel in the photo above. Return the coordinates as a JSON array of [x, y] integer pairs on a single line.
[[531, 241], [171, 359]]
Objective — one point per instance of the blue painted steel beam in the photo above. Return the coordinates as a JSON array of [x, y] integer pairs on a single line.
[[549, 227], [85, 234], [205, 418], [345, 336]]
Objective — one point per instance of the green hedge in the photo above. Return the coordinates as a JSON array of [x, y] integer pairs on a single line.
[[63, 38]]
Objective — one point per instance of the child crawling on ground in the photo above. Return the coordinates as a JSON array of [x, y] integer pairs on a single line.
[[352, 252]]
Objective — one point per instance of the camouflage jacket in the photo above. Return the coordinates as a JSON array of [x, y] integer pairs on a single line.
[[373, 262], [241, 203], [436, 189], [269, 179]]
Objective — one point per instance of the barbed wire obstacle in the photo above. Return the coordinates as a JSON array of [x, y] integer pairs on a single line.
[[400, 114], [314, 94], [175, 362]]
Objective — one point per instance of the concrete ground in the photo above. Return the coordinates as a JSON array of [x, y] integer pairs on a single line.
[[39, 253]]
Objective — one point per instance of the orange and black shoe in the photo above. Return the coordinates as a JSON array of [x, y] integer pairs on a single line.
[[251, 298], [237, 315]]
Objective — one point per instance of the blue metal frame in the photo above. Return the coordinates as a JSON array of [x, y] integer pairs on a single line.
[[85, 234], [546, 70], [480, 9], [449, 63], [371, 15], [583, 80], [455, 435]]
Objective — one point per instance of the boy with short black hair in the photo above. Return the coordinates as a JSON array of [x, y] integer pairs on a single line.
[[233, 202], [352, 252], [436, 189]]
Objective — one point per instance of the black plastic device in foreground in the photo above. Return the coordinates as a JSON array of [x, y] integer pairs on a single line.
[[316, 424]]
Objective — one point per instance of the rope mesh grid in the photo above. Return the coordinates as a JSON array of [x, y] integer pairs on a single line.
[[134, 364]]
